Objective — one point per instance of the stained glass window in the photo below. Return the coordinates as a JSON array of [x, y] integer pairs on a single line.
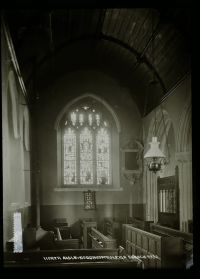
[[90, 119], [81, 119], [86, 148], [103, 156], [86, 157], [73, 118], [70, 156]]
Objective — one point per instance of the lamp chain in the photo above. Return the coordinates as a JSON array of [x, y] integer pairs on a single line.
[[152, 48], [152, 23], [155, 124]]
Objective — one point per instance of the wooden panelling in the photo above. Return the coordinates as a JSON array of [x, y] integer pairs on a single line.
[[187, 239], [168, 200], [156, 251], [141, 224]]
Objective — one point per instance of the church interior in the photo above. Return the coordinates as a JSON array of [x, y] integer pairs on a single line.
[[97, 137]]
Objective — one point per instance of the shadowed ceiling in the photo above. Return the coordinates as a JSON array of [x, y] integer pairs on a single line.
[[147, 50]]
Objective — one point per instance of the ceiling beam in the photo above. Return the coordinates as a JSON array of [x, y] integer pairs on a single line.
[[140, 58]]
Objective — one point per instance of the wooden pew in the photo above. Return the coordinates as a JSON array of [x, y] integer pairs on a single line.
[[99, 240], [141, 224], [113, 229], [156, 251], [86, 228], [70, 258], [187, 238]]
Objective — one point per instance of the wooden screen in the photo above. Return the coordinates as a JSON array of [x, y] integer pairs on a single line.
[[168, 200]]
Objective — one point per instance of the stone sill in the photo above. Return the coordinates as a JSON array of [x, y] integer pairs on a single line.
[[60, 189]]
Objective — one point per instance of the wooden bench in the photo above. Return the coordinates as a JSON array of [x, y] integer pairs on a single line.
[[99, 240], [71, 258], [141, 224], [156, 251], [186, 237], [47, 240]]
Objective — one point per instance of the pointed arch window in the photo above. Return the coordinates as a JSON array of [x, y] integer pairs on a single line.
[[86, 147]]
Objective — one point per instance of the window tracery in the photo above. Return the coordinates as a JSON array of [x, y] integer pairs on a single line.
[[87, 146]]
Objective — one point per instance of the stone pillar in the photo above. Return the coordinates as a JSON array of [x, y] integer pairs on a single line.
[[131, 205], [35, 171], [185, 188], [150, 192], [37, 179]]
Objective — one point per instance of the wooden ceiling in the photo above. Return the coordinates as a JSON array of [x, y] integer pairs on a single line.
[[134, 45]]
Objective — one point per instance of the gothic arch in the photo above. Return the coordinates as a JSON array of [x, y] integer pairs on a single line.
[[184, 159], [161, 132], [150, 179]]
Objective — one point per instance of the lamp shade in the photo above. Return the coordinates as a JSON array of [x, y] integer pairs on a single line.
[[154, 151]]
